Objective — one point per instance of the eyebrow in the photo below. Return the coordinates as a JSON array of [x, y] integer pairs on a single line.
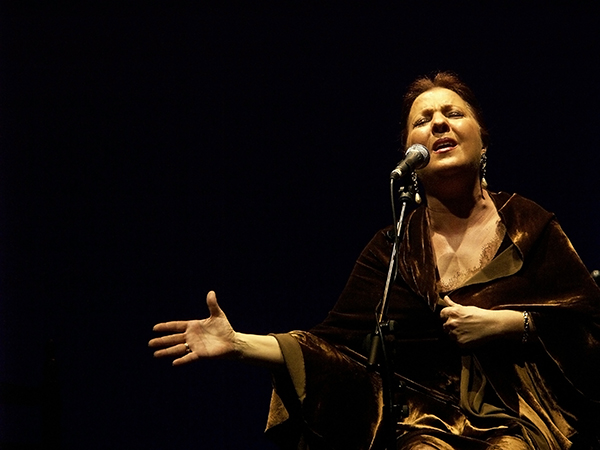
[[445, 107]]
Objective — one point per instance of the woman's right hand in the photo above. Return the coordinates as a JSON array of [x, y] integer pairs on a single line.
[[214, 338], [194, 339]]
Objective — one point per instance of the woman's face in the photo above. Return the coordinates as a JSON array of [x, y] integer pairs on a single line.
[[443, 122]]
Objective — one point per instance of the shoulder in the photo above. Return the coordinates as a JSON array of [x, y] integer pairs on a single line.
[[513, 203], [524, 219]]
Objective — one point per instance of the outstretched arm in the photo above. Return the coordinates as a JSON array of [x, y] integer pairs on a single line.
[[213, 338]]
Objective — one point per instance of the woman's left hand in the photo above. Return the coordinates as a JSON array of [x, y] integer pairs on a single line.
[[471, 326]]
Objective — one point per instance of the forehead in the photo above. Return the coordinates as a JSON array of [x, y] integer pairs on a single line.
[[437, 98]]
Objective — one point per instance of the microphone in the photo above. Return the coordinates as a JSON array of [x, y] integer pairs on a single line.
[[416, 157]]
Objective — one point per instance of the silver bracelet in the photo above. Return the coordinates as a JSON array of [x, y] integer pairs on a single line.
[[525, 326]]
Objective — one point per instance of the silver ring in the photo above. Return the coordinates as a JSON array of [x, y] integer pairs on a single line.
[[187, 348]]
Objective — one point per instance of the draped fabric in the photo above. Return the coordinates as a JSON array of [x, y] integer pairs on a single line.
[[543, 394]]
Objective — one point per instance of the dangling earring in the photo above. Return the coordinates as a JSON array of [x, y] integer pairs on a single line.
[[415, 180], [482, 170]]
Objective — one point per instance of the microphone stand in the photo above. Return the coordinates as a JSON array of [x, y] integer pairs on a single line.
[[385, 327]]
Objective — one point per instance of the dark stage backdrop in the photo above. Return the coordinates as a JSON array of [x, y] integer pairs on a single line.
[[150, 155]]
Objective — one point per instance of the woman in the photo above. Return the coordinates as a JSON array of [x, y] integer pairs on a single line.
[[498, 330]]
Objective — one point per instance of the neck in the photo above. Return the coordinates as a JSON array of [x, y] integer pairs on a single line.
[[452, 210]]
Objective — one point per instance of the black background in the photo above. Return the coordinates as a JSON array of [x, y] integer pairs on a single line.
[[150, 154]]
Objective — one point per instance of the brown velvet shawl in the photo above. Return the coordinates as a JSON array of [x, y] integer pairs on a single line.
[[547, 388]]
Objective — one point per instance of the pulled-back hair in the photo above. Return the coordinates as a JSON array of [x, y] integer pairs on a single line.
[[447, 80]]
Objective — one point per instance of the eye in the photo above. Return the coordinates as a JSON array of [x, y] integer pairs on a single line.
[[455, 113], [419, 122]]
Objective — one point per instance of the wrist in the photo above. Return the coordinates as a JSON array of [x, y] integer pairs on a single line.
[[240, 346], [258, 349], [507, 324]]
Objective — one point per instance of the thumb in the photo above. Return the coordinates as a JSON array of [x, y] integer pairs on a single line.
[[213, 306], [449, 302]]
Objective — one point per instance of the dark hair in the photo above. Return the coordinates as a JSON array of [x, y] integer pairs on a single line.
[[447, 80]]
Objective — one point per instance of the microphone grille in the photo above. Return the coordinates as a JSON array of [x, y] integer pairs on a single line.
[[422, 151]]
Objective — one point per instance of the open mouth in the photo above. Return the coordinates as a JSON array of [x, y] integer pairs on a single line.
[[444, 145]]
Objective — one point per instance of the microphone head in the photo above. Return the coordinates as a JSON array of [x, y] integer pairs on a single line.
[[419, 154], [415, 157]]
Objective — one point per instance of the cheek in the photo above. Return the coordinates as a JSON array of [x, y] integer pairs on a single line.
[[417, 136], [472, 132]]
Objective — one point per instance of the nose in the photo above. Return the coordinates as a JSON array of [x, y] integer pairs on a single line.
[[439, 124]]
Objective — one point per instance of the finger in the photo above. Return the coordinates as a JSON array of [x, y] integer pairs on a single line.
[[449, 301], [176, 350], [446, 312], [179, 325], [167, 341], [451, 334], [213, 306], [188, 358]]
